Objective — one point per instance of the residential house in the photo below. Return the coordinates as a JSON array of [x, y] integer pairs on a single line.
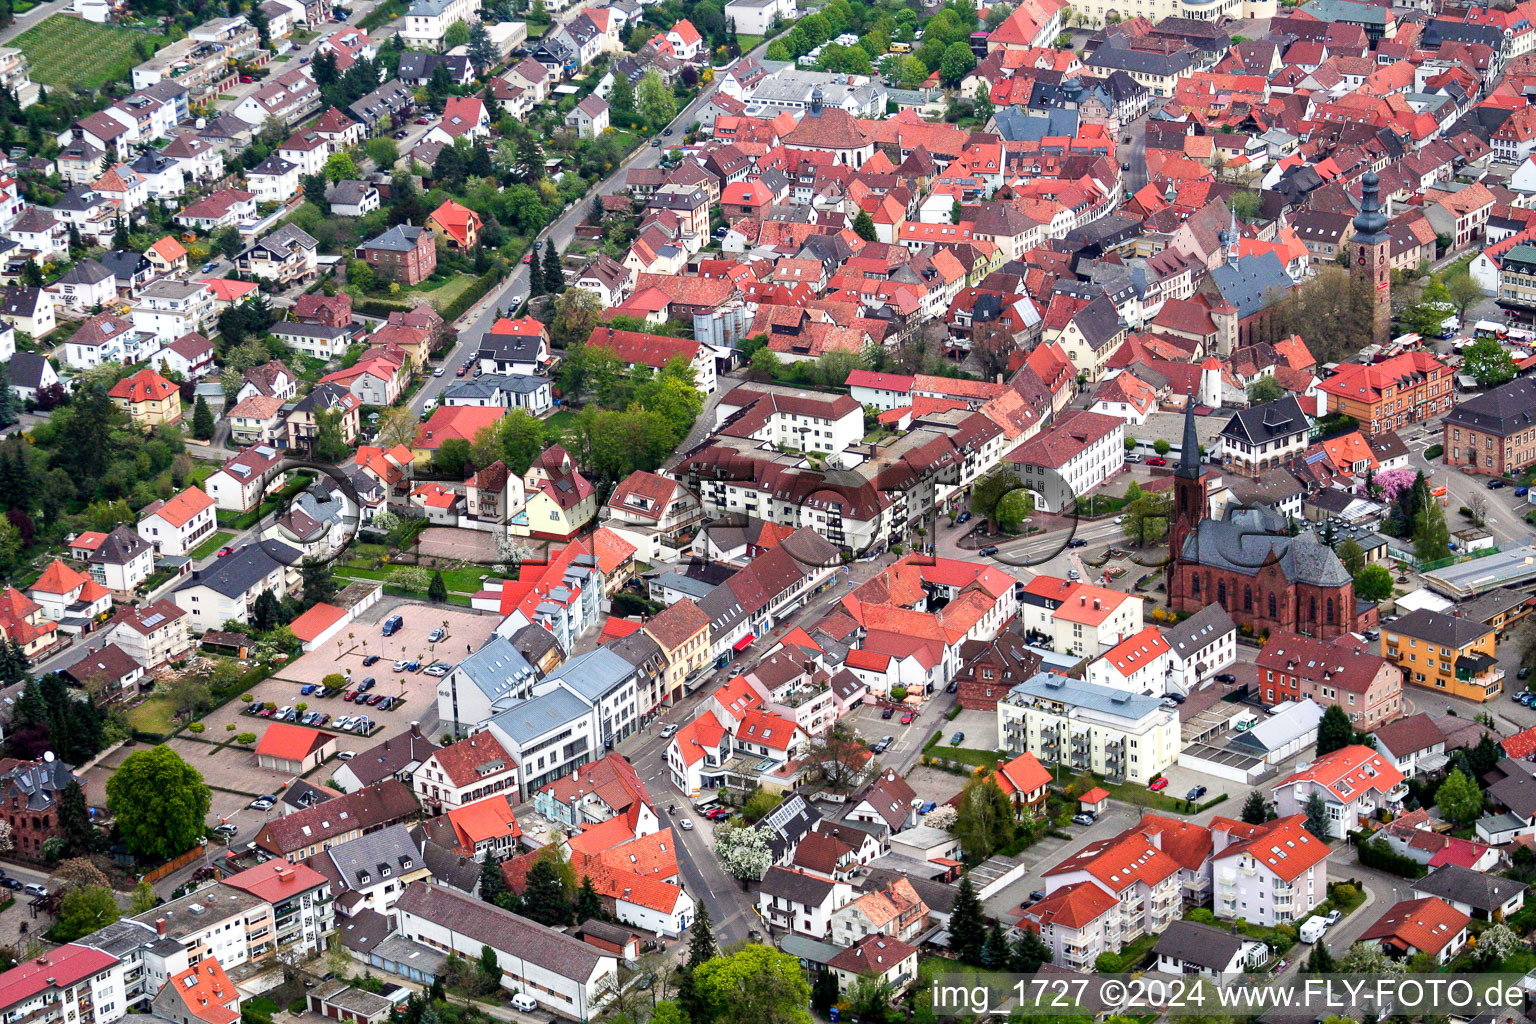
[[179, 524], [1355, 783], [229, 587]]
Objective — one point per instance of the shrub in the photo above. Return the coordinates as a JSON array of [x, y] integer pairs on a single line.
[[197, 727], [1434, 451], [230, 727], [246, 698], [898, 693], [246, 737]]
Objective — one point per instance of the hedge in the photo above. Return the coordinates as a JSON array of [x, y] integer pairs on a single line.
[[1377, 854], [451, 312]]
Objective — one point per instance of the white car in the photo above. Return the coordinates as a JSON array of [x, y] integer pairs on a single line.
[[345, 755], [437, 372], [667, 731], [400, 665], [686, 824], [439, 669]]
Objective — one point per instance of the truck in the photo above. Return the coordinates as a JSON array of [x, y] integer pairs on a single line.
[[1312, 929], [392, 625]]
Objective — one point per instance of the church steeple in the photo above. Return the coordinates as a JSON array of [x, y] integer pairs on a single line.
[[1368, 247], [1189, 454]]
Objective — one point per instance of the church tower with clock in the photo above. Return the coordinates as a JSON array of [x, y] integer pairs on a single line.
[[1368, 256]]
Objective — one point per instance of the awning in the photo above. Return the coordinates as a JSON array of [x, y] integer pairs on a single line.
[[744, 643]]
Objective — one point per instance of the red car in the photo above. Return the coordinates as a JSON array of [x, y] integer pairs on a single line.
[[246, 79], [349, 696], [1157, 784], [461, 371], [906, 719], [226, 549], [1157, 460], [527, 257]]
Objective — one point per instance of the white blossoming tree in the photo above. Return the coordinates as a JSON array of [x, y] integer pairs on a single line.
[[743, 851]]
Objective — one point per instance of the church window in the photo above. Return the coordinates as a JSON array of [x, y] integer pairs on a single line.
[[1330, 611], [1194, 583], [1312, 608], [1271, 605], [1221, 592], [1247, 599]]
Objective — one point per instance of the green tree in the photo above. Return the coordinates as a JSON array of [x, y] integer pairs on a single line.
[[330, 442], [622, 99], [1029, 953], [864, 226], [339, 167], [482, 51], [383, 152], [987, 492], [317, 585], [1427, 316], [1487, 360], [490, 969], [1462, 292], [545, 898], [1431, 537], [1013, 509], [654, 100], [1317, 816], [1255, 808], [456, 34], [1146, 520], [757, 984], [1352, 555], [701, 940], [202, 420], [1459, 799], [80, 836], [84, 910], [144, 897], [1265, 389], [1319, 961], [451, 458], [554, 275], [437, 590], [589, 905], [160, 803], [1373, 583], [967, 923], [1335, 731], [1369, 959], [492, 884], [984, 819], [957, 62]]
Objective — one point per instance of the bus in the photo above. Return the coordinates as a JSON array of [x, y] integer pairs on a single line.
[[901, 47]]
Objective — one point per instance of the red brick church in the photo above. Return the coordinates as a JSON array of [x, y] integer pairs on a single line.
[[1249, 564]]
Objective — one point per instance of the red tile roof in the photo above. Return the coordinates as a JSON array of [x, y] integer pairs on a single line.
[[462, 761], [1427, 925], [315, 621], [291, 742], [180, 510]]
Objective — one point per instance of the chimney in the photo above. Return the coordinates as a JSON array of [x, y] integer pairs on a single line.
[[159, 926], [1095, 604]]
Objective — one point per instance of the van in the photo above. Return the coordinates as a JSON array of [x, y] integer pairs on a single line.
[[392, 625], [901, 47], [526, 1003], [1312, 929]]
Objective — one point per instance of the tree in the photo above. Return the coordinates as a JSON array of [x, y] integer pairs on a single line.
[[383, 152], [757, 984], [1146, 519], [1029, 953], [1332, 311], [701, 941], [589, 906], [339, 167], [535, 272], [1255, 809], [984, 819], [317, 586], [437, 591], [743, 851], [1459, 799], [545, 899], [189, 695], [577, 312], [80, 836], [1373, 583], [490, 969], [492, 884], [1368, 959], [1488, 361], [83, 911], [1319, 961], [994, 951], [8, 413], [1495, 944], [397, 427], [988, 492], [864, 226], [1427, 316], [622, 99], [202, 420], [1431, 537], [992, 346], [654, 101], [958, 61], [1265, 389], [1352, 555], [456, 34], [330, 442], [1335, 731], [1461, 291], [554, 274], [144, 897], [482, 51], [967, 923], [839, 760], [451, 458], [1317, 816], [160, 803]]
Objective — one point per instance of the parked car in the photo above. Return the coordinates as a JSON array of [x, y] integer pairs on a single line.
[[927, 807], [1524, 672], [413, 666], [962, 518], [366, 684], [1495, 484], [887, 712], [1157, 460], [1333, 918], [373, 699], [1226, 677], [957, 739], [953, 687], [372, 659], [1177, 698], [437, 635], [461, 371], [906, 719], [400, 665], [308, 688], [668, 731], [11, 883], [1037, 896], [263, 803], [229, 828], [386, 703], [1084, 818], [345, 755], [1158, 785], [439, 669], [1195, 794]]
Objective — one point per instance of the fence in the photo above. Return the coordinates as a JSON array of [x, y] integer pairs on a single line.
[[174, 865]]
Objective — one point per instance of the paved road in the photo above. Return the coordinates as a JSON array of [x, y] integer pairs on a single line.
[[478, 321]]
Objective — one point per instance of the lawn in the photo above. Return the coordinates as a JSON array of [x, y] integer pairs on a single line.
[[749, 43], [449, 290], [210, 545], [153, 716], [80, 54], [458, 581]]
